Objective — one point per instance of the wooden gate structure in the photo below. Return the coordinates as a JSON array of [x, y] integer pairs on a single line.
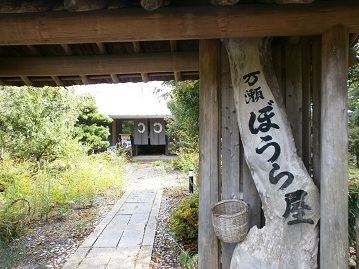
[[82, 42]]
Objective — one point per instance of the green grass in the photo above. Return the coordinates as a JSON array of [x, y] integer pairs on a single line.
[[30, 192]]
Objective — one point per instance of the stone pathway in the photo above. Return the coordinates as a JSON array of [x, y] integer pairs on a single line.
[[124, 238]]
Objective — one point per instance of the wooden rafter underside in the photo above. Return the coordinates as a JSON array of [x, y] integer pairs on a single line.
[[99, 64], [177, 23]]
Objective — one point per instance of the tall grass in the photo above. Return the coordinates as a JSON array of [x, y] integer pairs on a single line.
[[36, 192]]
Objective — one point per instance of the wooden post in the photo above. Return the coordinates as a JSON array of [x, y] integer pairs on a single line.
[[209, 139], [113, 132], [334, 150], [231, 179], [316, 113]]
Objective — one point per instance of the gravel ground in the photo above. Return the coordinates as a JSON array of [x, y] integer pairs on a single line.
[[49, 244]]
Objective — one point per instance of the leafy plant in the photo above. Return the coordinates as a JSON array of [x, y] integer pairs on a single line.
[[353, 207], [184, 219], [188, 261]]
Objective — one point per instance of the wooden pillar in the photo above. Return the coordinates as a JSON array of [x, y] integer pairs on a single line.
[[231, 187], [113, 132], [209, 140], [334, 150]]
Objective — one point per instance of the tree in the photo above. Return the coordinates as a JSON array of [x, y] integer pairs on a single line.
[[353, 95], [183, 126], [36, 123], [91, 125]]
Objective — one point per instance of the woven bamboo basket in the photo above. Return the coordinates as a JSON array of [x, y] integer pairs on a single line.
[[230, 220]]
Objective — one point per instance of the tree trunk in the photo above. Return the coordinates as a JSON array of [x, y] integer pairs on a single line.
[[289, 197]]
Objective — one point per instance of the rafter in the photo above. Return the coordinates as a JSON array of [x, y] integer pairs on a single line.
[[27, 81], [57, 80], [99, 64], [177, 23], [137, 48], [173, 45]]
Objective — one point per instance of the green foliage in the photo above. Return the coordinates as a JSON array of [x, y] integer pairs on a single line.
[[36, 123], [353, 204], [91, 125], [31, 193], [188, 261], [184, 219], [186, 161], [183, 126]]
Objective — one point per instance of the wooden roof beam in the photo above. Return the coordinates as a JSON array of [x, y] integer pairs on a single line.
[[27, 81], [67, 49], [114, 78], [84, 79], [99, 64], [137, 48], [151, 5], [173, 45], [177, 23], [57, 80]]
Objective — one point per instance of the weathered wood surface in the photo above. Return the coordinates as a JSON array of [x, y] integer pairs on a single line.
[[224, 2], [316, 108], [334, 150], [289, 197], [177, 23], [151, 5], [209, 152], [293, 92], [80, 5], [232, 180], [21, 6], [100, 64]]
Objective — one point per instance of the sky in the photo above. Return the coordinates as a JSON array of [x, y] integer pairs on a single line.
[[128, 98]]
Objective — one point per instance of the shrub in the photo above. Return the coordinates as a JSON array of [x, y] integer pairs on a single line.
[[353, 207], [32, 193], [184, 218]]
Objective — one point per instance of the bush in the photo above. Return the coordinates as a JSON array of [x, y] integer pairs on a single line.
[[353, 207], [184, 219], [31, 192]]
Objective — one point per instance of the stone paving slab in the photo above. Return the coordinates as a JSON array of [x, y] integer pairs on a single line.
[[124, 238]]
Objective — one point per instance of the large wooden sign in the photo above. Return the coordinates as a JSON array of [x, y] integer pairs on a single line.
[[289, 197]]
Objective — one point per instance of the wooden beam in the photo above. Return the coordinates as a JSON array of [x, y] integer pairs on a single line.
[[57, 80], [101, 48], [100, 64], [224, 2], [67, 49], [27, 81], [84, 79], [334, 149], [151, 5], [19, 6], [177, 23], [80, 5], [114, 78], [138, 49], [209, 155]]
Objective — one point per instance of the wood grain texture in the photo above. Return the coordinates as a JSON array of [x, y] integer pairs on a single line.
[[100, 64], [334, 150], [177, 23], [231, 187], [288, 240], [209, 158]]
